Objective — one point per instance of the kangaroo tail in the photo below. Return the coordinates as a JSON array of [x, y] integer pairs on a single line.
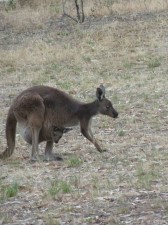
[[10, 134]]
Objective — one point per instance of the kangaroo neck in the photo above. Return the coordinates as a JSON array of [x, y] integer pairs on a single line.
[[89, 109]]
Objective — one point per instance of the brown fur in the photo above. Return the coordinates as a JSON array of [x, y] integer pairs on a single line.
[[40, 108]]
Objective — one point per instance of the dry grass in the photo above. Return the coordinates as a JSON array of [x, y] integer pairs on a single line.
[[126, 184], [36, 13], [104, 8], [140, 6], [27, 19]]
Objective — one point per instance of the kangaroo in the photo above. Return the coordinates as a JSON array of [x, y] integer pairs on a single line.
[[41, 107]]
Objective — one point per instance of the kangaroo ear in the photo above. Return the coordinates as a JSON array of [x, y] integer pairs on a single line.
[[67, 129], [100, 93], [55, 129]]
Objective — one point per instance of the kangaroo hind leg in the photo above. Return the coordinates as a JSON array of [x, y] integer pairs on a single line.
[[35, 121], [29, 109]]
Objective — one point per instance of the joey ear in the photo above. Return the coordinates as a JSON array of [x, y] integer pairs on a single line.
[[100, 93], [55, 129]]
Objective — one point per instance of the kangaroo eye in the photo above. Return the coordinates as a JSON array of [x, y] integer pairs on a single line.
[[107, 106], [55, 129]]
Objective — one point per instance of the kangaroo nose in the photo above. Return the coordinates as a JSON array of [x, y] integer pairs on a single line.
[[115, 114]]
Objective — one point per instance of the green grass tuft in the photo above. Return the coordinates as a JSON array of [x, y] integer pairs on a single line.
[[74, 161], [9, 191], [59, 187]]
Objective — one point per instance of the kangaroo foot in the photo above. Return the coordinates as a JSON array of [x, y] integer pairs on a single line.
[[35, 158], [52, 157]]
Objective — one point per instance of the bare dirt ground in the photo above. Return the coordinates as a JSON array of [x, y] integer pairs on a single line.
[[128, 184]]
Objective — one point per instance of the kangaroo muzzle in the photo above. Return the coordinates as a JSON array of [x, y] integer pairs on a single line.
[[115, 114]]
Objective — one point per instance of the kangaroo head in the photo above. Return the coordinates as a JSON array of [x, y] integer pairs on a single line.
[[105, 106], [58, 132]]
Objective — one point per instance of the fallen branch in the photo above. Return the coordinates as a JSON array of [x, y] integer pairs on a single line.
[[80, 17]]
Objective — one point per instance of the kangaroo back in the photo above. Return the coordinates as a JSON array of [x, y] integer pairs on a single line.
[[10, 134]]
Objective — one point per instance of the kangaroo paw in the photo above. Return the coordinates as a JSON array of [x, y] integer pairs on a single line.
[[103, 150]]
